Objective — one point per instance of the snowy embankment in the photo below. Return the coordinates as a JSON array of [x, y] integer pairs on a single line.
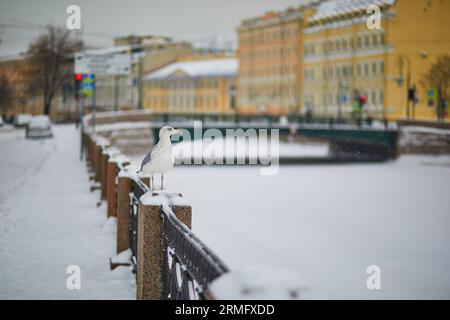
[[424, 140], [49, 221]]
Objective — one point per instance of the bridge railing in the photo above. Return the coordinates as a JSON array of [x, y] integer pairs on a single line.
[[233, 118], [169, 260]]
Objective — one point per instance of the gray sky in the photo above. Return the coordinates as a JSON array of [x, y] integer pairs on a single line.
[[193, 20]]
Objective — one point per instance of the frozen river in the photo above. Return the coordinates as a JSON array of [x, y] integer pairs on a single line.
[[329, 223]]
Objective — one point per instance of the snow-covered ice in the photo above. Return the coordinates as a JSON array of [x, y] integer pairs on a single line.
[[49, 221], [259, 283], [329, 223]]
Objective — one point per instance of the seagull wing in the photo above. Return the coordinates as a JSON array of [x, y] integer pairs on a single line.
[[147, 159], [150, 155]]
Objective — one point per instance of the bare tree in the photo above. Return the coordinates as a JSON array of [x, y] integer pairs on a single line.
[[6, 94], [438, 78], [51, 62]]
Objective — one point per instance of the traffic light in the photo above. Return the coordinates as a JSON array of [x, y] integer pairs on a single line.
[[412, 94], [362, 102], [78, 78]]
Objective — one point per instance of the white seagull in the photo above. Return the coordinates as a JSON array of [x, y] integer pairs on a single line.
[[160, 159]]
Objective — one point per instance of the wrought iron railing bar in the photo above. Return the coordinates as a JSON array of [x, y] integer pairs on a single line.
[[189, 235]]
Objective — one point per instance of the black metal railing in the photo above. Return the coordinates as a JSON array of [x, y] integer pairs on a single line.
[[138, 188], [189, 265]]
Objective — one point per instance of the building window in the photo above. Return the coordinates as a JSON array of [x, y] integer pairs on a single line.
[[330, 47], [358, 42], [366, 40], [344, 45], [358, 70], [374, 39]]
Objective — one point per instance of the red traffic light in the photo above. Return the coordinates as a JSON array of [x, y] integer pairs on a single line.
[[78, 76]]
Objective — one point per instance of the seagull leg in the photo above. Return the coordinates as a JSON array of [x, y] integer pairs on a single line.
[[152, 183], [162, 181]]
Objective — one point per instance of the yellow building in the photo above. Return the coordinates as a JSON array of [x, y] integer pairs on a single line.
[[189, 86], [269, 60], [343, 58], [147, 53]]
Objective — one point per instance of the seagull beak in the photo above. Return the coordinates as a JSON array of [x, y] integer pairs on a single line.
[[177, 131]]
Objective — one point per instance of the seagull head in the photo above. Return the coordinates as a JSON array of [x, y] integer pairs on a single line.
[[168, 131]]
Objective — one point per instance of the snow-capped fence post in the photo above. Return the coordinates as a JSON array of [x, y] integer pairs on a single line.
[[92, 153], [149, 253], [150, 246], [88, 147], [123, 213], [104, 157], [111, 188], [94, 160], [98, 154]]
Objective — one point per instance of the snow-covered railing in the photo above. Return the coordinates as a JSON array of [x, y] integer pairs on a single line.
[[153, 230], [189, 266], [233, 118]]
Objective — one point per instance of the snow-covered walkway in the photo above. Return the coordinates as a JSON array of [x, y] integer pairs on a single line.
[[49, 221]]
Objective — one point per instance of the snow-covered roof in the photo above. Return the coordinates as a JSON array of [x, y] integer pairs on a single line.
[[331, 8], [197, 68]]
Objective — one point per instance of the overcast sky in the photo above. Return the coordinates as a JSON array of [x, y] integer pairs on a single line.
[[193, 20]]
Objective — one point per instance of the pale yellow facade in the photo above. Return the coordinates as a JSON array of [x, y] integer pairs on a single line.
[[269, 58], [342, 56], [181, 92]]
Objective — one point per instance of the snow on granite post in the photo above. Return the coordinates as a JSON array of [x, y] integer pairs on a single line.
[[150, 249], [111, 188], [123, 212], [97, 153], [104, 157], [91, 147], [114, 158], [91, 153]]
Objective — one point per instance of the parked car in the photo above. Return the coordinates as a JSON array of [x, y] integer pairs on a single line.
[[21, 120], [1, 121], [39, 127]]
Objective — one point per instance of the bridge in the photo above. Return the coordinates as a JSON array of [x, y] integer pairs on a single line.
[[349, 141]]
